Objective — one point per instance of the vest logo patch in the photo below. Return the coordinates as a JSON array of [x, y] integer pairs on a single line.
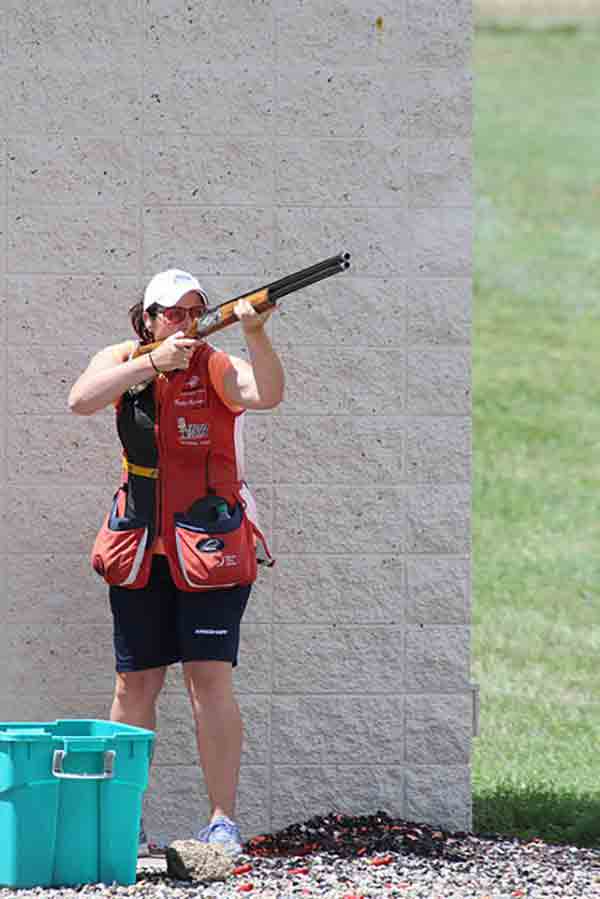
[[191, 383], [192, 432], [192, 398], [210, 545]]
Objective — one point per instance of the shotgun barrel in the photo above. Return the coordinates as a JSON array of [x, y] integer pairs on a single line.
[[218, 317], [342, 260]]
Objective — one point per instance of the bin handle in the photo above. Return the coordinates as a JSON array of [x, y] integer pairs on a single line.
[[57, 767]]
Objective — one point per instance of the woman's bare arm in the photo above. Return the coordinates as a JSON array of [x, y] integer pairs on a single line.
[[109, 374]]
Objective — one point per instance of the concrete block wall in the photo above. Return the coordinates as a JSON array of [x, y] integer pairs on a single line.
[[243, 140]]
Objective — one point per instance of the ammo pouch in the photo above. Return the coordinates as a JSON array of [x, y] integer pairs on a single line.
[[119, 552], [215, 545]]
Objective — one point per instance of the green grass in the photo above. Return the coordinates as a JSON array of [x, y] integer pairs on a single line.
[[536, 524]]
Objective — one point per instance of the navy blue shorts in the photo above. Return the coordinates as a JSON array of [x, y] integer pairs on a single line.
[[159, 624]]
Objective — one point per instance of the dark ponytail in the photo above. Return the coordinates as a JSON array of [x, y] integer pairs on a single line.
[[136, 317]]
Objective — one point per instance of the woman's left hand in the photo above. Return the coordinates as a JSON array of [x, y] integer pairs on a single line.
[[251, 320]]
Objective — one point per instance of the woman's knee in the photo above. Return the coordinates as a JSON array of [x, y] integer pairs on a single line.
[[206, 681], [140, 686]]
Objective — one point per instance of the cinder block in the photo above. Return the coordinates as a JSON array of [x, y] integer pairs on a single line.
[[361, 382], [358, 102], [438, 729], [341, 311], [64, 239], [73, 30], [439, 173], [81, 78], [259, 608], [176, 804], [337, 520], [438, 591], [441, 242], [56, 659], [93, 98], [368, 233], [72, 170], [196, 169], [353, 658], [438, 33], [306, 791], [258, 448], [3, 518], [439, 103], [341, 729], [437, 657], [176, 737], [438, 311], [350, 450], [320, 33], [102, 301], [186, 94], [48, 375], [341, 173], [438, 449], [57, 586], [438, 519], [45, 705], [220, 241], [327, 589], [439, 796], [53, 450], [263, 496], [234, 33], [54, 519], [253, 674]]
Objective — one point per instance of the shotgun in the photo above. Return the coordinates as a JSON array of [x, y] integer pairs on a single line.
[[221, 316]]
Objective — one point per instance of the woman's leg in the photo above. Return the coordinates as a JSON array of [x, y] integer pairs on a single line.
[[135, 697], [219, 731]]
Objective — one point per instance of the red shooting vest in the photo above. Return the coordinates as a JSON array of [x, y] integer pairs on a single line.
[[183, 479]]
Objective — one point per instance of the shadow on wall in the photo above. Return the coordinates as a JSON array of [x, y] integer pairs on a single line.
[[530, 811]]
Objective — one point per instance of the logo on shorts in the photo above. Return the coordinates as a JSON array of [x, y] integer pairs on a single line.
[[213, 631], [210, 545]]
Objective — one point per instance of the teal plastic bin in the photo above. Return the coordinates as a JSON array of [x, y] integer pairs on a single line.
[[70, 801]]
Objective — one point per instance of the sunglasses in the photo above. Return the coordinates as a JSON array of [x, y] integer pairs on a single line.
[[177, 314]]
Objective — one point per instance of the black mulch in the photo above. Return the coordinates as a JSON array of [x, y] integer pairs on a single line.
[[348, 836]]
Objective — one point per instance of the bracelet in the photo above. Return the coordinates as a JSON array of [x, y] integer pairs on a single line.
[[157, 370]]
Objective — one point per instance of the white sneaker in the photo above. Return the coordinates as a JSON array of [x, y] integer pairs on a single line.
[[225, 832]]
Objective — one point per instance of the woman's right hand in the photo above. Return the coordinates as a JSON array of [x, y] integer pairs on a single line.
[[175, 351]]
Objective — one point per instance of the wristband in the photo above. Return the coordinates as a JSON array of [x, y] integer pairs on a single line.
[[157, 370]]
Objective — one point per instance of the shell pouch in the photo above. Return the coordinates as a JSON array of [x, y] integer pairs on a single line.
[[118, 554], [215, 545]]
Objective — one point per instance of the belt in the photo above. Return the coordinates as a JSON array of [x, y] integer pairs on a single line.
[[140, 470]]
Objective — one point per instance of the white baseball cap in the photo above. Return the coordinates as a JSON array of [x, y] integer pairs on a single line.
[[167, 288]]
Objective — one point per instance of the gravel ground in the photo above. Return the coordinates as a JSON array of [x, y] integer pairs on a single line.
[[337, 857]]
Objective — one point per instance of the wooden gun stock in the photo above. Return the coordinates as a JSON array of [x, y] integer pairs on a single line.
[[222, 316]]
